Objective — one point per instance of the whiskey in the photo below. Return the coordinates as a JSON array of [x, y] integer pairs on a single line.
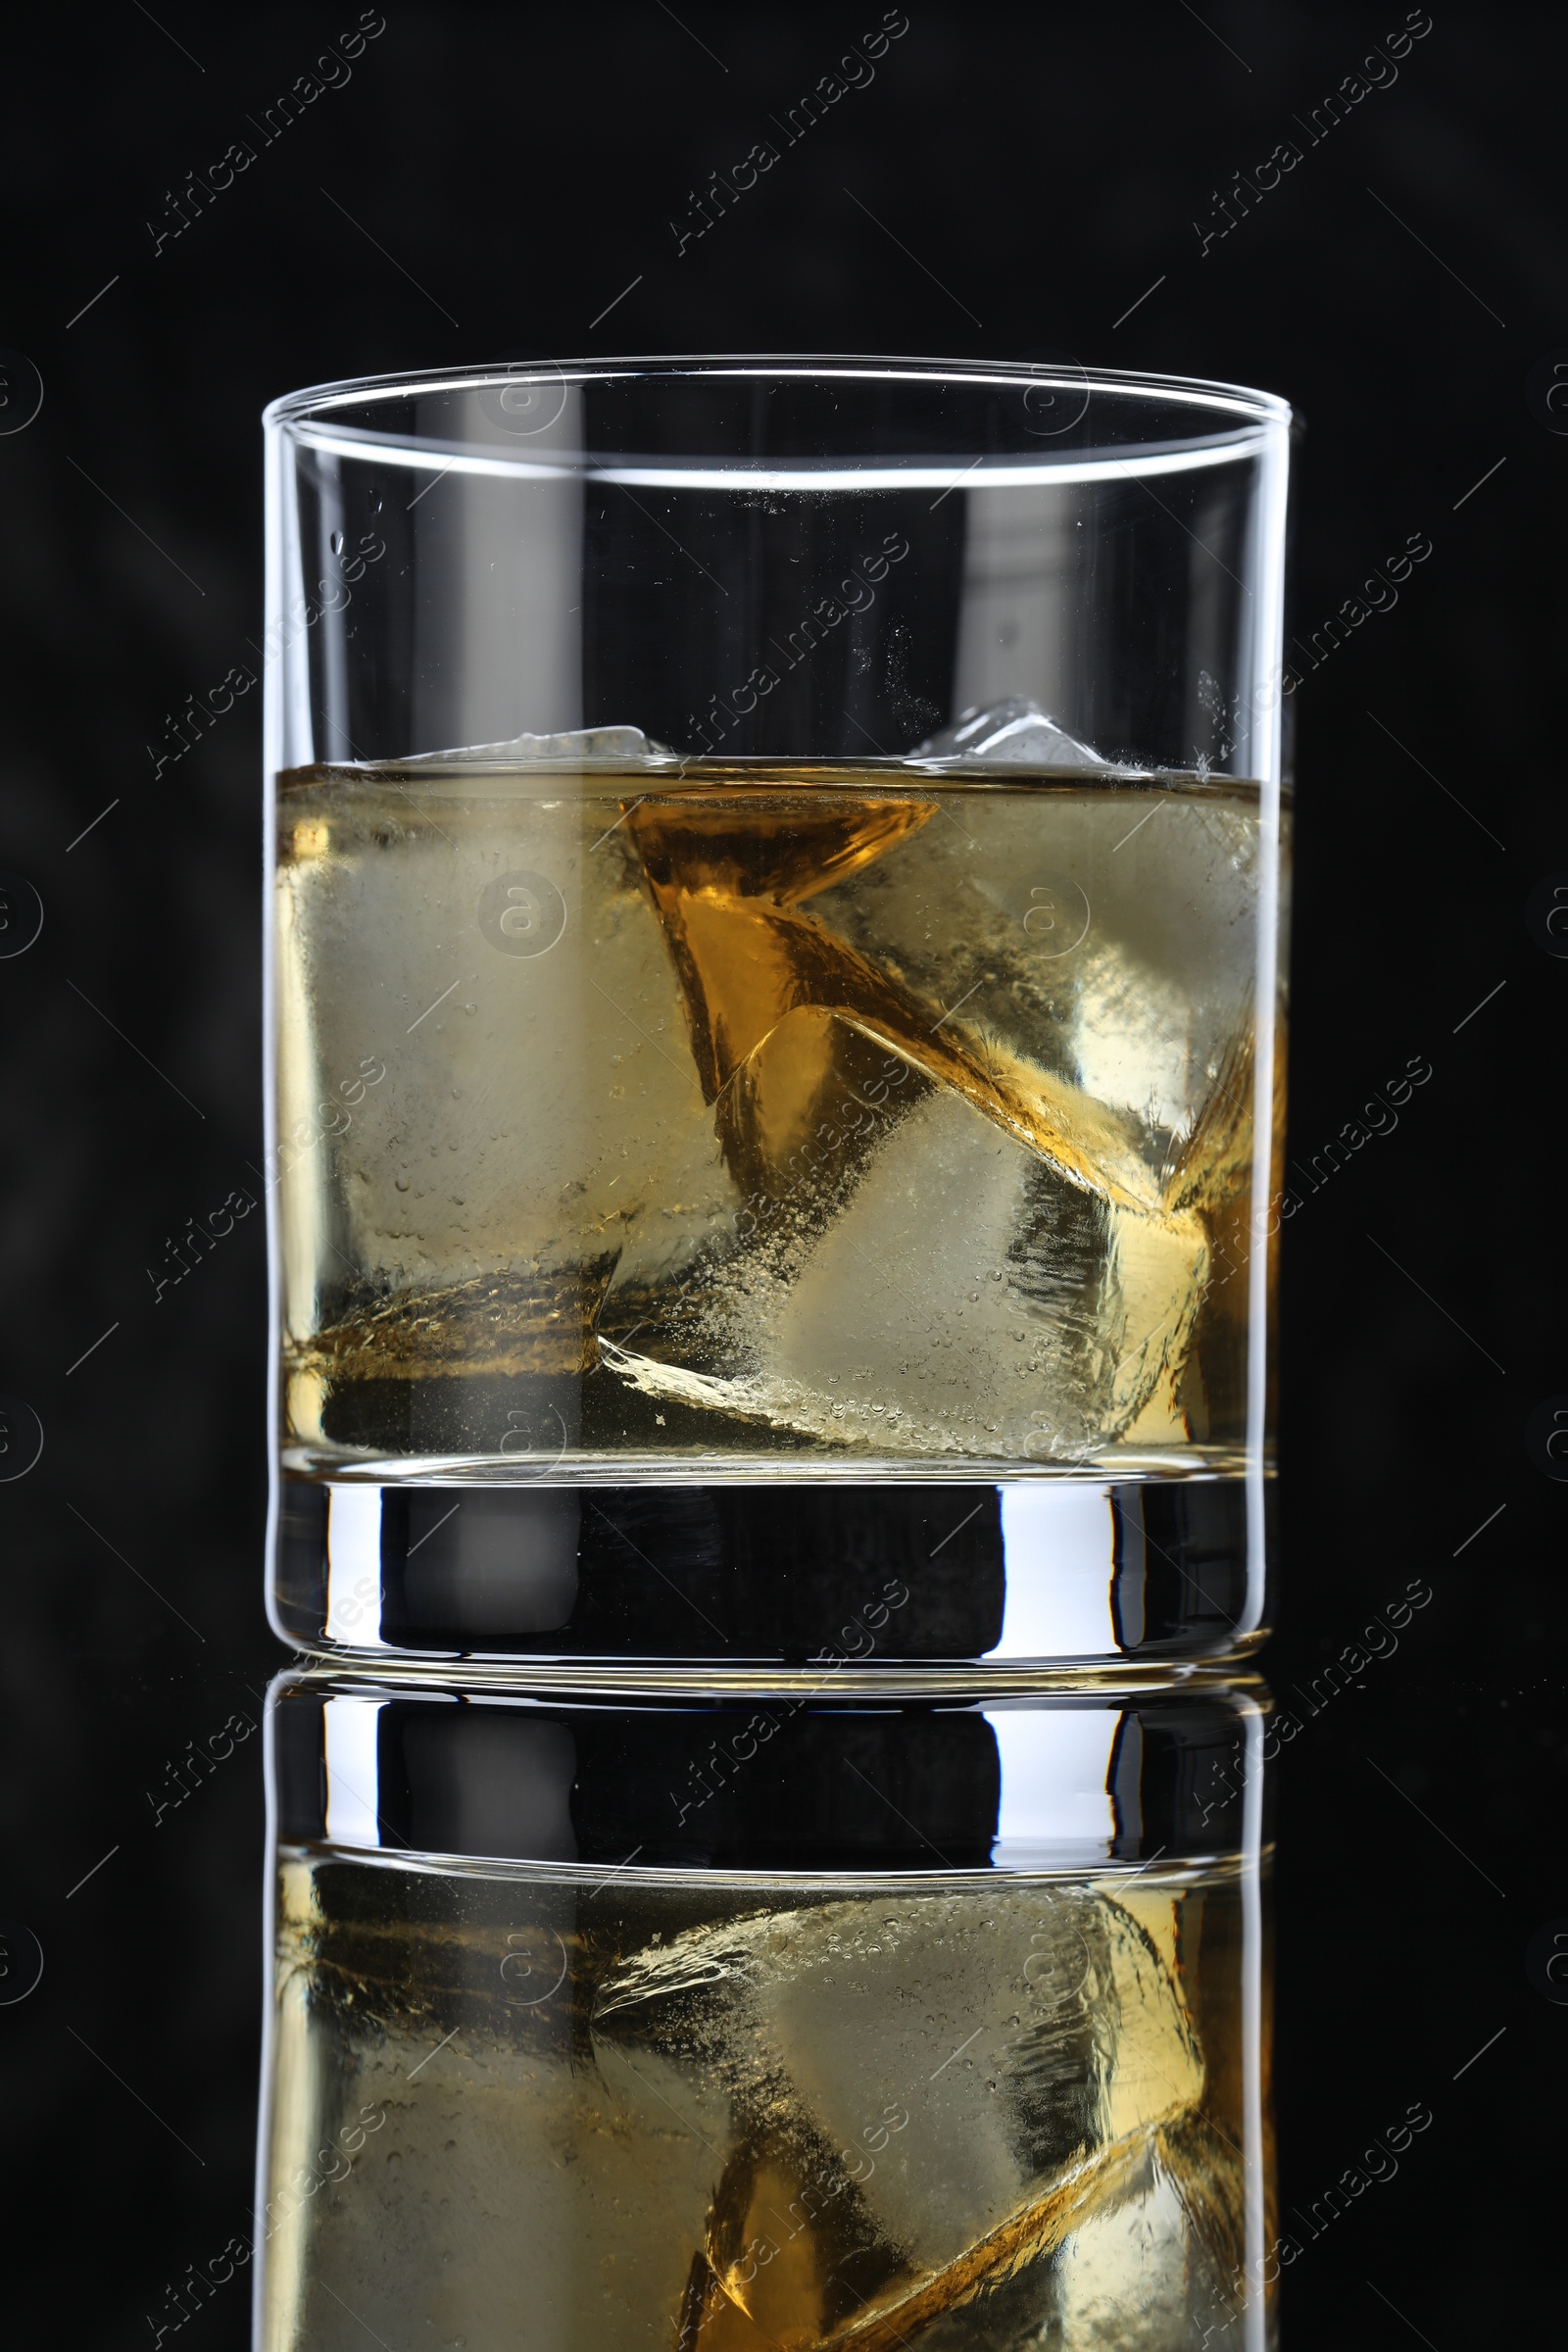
[[763, 1116], [520, 2104]]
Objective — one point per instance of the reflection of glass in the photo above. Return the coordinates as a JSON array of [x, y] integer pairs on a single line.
[[760, 2022], [881, 1082]]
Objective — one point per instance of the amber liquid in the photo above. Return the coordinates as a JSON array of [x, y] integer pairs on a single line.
[[813, 1119], [516, 2107]]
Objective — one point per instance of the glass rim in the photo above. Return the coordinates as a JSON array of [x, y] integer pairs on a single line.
[[1240, 403]]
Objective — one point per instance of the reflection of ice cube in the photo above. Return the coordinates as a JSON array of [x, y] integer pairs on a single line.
[[1014, 732], [1133, 2269], [468, 2214], [1122, 2276], [937, 2089], [620, 744]]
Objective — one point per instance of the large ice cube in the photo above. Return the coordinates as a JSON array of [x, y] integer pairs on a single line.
[[926, 2095], [1102, 930], [531, 1103], [928, 1279]]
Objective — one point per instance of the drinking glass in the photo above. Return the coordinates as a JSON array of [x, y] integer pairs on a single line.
[[783, 2019], [774, 984]]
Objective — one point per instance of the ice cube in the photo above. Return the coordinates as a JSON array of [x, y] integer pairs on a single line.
[[527, 1109], [986, 1302], [1012, 733], [1133, 2269], [1111, 929], [928, 1279], [617, 745]]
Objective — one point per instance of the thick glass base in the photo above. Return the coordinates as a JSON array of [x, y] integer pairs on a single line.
[[1023, 1576]]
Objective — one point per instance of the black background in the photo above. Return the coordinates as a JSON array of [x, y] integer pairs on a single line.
[[509, 173]]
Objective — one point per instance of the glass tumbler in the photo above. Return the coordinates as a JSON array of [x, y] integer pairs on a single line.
[[716, 2024], [775, 939]]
